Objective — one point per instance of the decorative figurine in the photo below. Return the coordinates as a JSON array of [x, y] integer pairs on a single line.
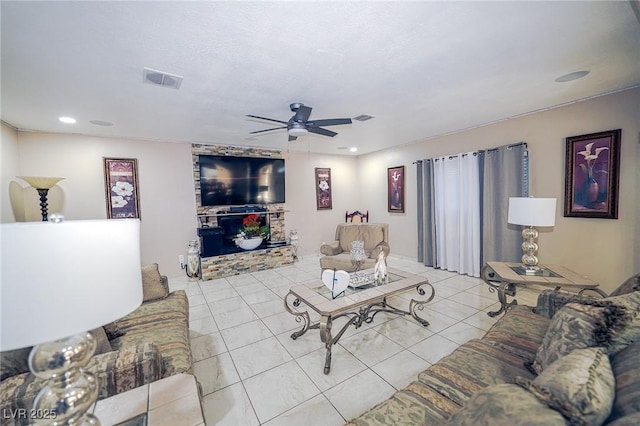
[[380, 270]]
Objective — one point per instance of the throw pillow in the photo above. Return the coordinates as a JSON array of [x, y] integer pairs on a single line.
[[153, 287], [631, 332], [580, 386], [578, 326], [505, 405], [14, 362], [102, 343], [631, 284]]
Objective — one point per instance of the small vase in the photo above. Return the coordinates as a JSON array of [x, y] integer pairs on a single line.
[[249, 243], [591, 191]]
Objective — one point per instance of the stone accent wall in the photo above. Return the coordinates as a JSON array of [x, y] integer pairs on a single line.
[[238, 263], [248, 261]]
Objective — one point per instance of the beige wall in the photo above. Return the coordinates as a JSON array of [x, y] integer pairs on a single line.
[[606, 250], [316, 226], [167, 201], [603, 249], [8, 170]]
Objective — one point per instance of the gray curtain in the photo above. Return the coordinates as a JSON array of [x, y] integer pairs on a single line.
[[504, 174], [426, 222]]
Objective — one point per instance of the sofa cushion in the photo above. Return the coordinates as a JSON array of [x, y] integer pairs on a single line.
[[348, 234], [17, 361], [507, 405], [153, 286], [519, 332], [551, 301], [630, 420], [471, 367], [414, 405], [631, 284], [626, 369], [116, 372], [372, 235], [164, 322], [579, 385], [578, 326]]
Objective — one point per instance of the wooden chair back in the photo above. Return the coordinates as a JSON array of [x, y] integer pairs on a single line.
[[357, 217]]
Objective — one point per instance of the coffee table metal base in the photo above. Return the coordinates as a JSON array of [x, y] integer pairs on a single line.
[[365, 314]]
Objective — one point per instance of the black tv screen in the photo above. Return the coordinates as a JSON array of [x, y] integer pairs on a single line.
[[231, 181]]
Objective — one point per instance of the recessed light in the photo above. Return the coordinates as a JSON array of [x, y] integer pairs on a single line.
[[67, 120], [101, 123], [363, 117], [342, 148], [353, 149], [572, 76]]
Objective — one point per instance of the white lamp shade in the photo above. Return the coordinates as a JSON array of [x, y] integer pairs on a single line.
[[60, 279], [40, 182], [532, 211]]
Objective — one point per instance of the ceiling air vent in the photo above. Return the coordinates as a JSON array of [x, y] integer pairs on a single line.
[[159, 78], [363, 117]]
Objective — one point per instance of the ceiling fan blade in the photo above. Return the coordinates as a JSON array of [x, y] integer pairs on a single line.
[[292, 138], [268, 119], [302, 114], [268, 130], [330, 122], [321, 131]]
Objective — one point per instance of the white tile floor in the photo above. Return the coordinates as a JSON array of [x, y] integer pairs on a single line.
[[253, 373]]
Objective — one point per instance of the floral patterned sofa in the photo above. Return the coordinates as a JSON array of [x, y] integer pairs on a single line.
[[149, 344], [570, 360]]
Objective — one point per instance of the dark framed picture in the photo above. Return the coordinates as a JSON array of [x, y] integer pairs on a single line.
[[121, 188], [592, 173], [323, 188], [395, 189]]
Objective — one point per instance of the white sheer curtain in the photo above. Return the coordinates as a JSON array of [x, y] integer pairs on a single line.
[[457, 213]]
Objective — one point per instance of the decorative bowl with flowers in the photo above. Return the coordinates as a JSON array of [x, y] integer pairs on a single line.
[[251, 234]]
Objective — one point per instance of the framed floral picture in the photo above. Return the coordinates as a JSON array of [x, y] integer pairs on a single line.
[[121, 188], [395, 189], [591, 176], [323, 189]]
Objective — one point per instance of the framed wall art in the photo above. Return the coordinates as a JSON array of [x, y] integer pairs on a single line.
[[121, 188], [591, 176], [395, 189], [323, 188]]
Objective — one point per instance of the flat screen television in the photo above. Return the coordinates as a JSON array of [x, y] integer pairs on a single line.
[[234, 181]]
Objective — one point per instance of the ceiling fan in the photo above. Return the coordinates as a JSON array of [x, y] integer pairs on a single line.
[[299, 124]]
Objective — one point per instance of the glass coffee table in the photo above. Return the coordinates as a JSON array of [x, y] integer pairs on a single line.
[[360, 303], [505, 278]]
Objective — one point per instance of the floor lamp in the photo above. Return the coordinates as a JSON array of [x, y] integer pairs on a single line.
[[531, 212], [72, 276], [42, 185]]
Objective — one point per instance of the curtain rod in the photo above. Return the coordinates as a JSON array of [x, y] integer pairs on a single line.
[[475, 152]]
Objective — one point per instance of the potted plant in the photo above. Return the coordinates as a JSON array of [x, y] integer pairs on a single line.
[[251, 234]]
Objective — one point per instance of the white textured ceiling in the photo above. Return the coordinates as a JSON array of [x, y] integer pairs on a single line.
[[422, 69]]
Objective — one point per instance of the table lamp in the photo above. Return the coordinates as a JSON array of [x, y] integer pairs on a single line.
[[531, 212], [42, 185], [60, 279]]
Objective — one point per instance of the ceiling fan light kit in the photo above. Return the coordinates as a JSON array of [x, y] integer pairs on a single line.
[[299, 124], [297, 130]]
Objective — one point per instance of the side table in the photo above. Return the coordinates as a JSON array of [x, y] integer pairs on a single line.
[[174, 400], [505, 277]]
